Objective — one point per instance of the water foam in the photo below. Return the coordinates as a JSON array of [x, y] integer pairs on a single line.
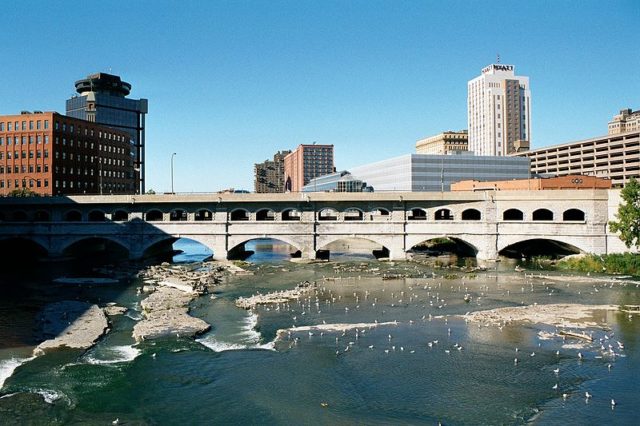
[[113, 355], [7, 367], [248, 338]]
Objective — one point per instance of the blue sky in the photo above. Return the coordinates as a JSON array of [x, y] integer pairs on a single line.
[[230, 83]]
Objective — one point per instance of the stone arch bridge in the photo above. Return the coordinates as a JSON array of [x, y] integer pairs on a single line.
[[486, 221]]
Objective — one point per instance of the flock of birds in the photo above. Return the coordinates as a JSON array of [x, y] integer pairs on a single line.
[[429, 295]]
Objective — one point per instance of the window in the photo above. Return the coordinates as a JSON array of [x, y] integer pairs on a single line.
[[1, 127], [30, 124], [24, 125], [46, 124], [38, 125]]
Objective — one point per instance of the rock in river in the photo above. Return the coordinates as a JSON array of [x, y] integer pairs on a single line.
[[166, 313], [73, 324]]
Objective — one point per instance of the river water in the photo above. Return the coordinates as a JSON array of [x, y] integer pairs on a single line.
[[407, 371]]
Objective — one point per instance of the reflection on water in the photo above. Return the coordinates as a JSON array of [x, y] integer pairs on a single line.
[[416, 362]]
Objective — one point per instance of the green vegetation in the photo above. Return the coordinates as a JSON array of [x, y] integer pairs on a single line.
[[618, 263], [23, 192], [628, 223]]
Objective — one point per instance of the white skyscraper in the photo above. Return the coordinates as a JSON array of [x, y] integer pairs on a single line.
[[499, 111]]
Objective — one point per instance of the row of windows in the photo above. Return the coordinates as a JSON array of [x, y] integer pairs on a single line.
[[91, 145], [24, 169], [24, 140], [23, 154], [90, 132], [22, 183], [22, 125]]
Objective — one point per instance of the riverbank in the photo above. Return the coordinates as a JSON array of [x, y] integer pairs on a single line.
[[616, 263]]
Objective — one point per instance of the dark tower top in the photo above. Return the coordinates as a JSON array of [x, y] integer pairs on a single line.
[[103, 83]]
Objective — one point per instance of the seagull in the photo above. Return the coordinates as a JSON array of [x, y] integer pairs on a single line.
[[587, 395], [565, 396], [557, 370], [613, 403], [116, 421], [580, 355], [555, 387], [515, 361]]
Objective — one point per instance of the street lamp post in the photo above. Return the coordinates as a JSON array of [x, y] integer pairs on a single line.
[[172, 155]]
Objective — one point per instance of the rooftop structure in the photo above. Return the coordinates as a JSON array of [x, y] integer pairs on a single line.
[[102, 99], [626, 121], [444, 143], [336, 182]]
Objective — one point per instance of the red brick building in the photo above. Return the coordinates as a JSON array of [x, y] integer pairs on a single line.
[[52, 154], [307, 162]]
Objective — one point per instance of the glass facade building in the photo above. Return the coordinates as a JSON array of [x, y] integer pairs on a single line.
[[102, 99], [432, 173]]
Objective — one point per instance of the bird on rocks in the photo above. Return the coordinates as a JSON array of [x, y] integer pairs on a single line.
[[557, 370], [555, 387]]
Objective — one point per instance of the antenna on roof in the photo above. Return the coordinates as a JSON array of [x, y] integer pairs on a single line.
[[498, 58]]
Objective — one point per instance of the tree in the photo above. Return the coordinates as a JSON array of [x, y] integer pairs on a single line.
[[628, 223], [22, 192]]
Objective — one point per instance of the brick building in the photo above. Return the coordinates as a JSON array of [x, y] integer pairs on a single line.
[[52, 154], [307, 162], [269, 175]]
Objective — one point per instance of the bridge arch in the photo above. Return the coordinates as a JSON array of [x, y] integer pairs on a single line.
[[462, 245], [96, 216], [542, 214], [236, 243], [513, 214], [153, 215], [527, 246], [239, 215], [328, 214], [291, 214], [120, 216], [471, 214], [203, 215], [353, 214], [325, 241], [73, 216], [265, 215], [417, 213], [573, 215], [178, 215], [85, 246], [443, 214]]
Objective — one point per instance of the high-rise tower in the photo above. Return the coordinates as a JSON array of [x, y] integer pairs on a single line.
[[102, 98], [499, 111]]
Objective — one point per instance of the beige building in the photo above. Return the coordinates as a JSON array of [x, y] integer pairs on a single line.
[[626, 121], [499, 111], [444, 143], [616, 157]]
